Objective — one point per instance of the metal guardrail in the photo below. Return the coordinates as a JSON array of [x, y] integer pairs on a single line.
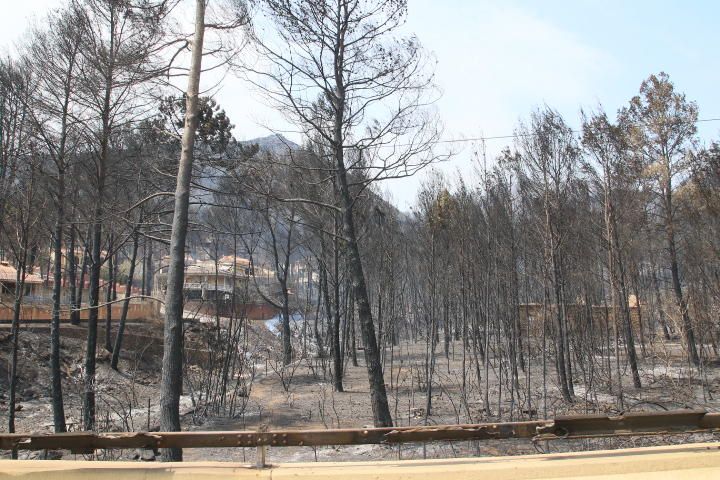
[[569, 427]]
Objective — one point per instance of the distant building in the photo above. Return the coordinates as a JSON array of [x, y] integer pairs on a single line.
[[208, 287], [8, 281]]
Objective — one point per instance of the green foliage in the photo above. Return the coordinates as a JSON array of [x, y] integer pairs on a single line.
[[214, 127]]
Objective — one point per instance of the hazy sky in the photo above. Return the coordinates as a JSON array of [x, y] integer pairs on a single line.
[[498, 60]]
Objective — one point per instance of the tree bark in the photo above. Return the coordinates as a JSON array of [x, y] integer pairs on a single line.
[[109, 294], [335, 321], [617, 272], [559, 323], [55, 376], [688, 331], [143, 277], [285, 314], [126, 305], [72, 275], [15, 331], [378, 395], [171, 382], [96, 263], [149, 273], [94, 297], [75, 316]]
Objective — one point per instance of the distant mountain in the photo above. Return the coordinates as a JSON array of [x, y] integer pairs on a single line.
[[275, 143], [278, 144]]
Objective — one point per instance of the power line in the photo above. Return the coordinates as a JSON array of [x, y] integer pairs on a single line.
[[516, 135], [505, 137]]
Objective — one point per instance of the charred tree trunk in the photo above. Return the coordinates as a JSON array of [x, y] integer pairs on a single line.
[[109, 295], [286, 333], [55, 375], [15, 329], [143, 277], [617, 272], [148, 273], [353, 341], [560, 341], [94, 294], [126, 305], [172, 370], [75, 315], [378, 395], [335, 321], [72, 275], [688, 331]]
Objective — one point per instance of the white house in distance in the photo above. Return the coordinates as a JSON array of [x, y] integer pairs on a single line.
[[209, 285], [8, 282]]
